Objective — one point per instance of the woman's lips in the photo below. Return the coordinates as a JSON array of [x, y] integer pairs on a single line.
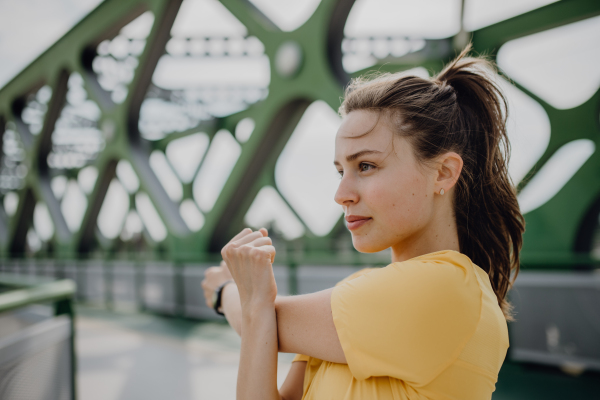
[[358, 223]]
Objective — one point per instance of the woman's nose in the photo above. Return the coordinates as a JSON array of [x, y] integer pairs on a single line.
[[346, 192]]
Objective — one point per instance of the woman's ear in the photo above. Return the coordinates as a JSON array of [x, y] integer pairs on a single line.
[[448, 171]]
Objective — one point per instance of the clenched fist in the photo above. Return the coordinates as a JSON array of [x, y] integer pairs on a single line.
[[249, 257]]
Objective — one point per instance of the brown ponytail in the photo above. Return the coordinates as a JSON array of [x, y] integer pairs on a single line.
[[461, 109]]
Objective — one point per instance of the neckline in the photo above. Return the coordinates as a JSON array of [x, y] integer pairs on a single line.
[[428, 255]]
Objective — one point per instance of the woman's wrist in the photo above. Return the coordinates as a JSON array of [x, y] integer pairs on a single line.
[[255, 308], [226, 292], [218, 297]]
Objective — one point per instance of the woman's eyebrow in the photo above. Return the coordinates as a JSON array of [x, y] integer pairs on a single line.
[[354, 156]]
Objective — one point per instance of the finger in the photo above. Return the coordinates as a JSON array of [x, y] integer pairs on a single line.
[[244, 232], [270, 250], [264, 231], [262, 241], [248, 238]]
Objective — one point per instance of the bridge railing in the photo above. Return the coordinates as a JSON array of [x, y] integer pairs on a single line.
[[555, 310], [37, 352], [163, 287]]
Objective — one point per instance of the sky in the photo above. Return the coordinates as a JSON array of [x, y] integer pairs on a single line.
[[28, 27]]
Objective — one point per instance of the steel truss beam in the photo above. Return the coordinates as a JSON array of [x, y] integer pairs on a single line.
[[556, 232]]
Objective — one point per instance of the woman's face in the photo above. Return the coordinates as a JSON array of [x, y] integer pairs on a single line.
[[386, 194]]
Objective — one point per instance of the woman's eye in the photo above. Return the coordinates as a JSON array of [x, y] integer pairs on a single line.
[[365, 167], [341, 173]]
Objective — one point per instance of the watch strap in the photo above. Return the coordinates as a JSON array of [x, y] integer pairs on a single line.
[[219, 292]]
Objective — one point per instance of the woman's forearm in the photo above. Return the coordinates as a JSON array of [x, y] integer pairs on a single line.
[[231, 307], [257, 376], [249, 257]]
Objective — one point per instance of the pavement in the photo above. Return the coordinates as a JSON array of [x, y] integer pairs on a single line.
[[148, 357]]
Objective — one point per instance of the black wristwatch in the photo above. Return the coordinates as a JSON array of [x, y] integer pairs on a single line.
[[217, 296]]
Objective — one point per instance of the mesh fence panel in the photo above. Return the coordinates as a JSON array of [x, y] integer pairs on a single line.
[[35, 363]]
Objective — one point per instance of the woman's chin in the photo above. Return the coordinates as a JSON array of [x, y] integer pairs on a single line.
[[367, 246]]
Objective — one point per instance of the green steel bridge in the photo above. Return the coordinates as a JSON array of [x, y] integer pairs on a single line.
[[130, 183]]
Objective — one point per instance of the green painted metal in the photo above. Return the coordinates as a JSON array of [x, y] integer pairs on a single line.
[[558, 233], [555, 233], [27, 291]]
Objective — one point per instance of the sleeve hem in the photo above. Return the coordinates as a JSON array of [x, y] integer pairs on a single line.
[[300, 357], [339, 315]]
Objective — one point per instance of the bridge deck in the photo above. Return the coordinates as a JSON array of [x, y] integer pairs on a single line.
[[144, 356], [141, 356]]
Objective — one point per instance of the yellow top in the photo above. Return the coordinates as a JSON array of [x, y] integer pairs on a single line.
[[426, 328]]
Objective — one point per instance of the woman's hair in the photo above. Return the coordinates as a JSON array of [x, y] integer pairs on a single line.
[[461, 109]]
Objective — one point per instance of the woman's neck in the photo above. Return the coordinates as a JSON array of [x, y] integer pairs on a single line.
[[440, 234]]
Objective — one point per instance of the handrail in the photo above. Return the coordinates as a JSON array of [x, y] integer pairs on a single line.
[[28, 291]]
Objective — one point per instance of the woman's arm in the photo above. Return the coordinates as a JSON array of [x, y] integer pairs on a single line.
[[230, 297], [304, 323], [249, 257], [292, 387], [305, 326], [231, 307], [257, 375]]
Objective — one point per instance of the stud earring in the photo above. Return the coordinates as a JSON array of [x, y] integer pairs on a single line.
[[442, 191]]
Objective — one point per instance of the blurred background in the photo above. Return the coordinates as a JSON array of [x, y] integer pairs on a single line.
[[139, 136]]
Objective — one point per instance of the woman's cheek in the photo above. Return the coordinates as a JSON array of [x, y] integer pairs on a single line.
[[404, 207]]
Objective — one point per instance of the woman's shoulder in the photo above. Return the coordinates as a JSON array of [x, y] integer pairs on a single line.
[[407, 320], [446, 273], [357, 274]]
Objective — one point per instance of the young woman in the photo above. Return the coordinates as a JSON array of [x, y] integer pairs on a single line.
[[423, 167]]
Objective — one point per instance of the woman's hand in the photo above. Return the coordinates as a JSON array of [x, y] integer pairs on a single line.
[[249, 257], [213, 278]]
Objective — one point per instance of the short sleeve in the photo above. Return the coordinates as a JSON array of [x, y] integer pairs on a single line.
[[300, 357], [409, 320]]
